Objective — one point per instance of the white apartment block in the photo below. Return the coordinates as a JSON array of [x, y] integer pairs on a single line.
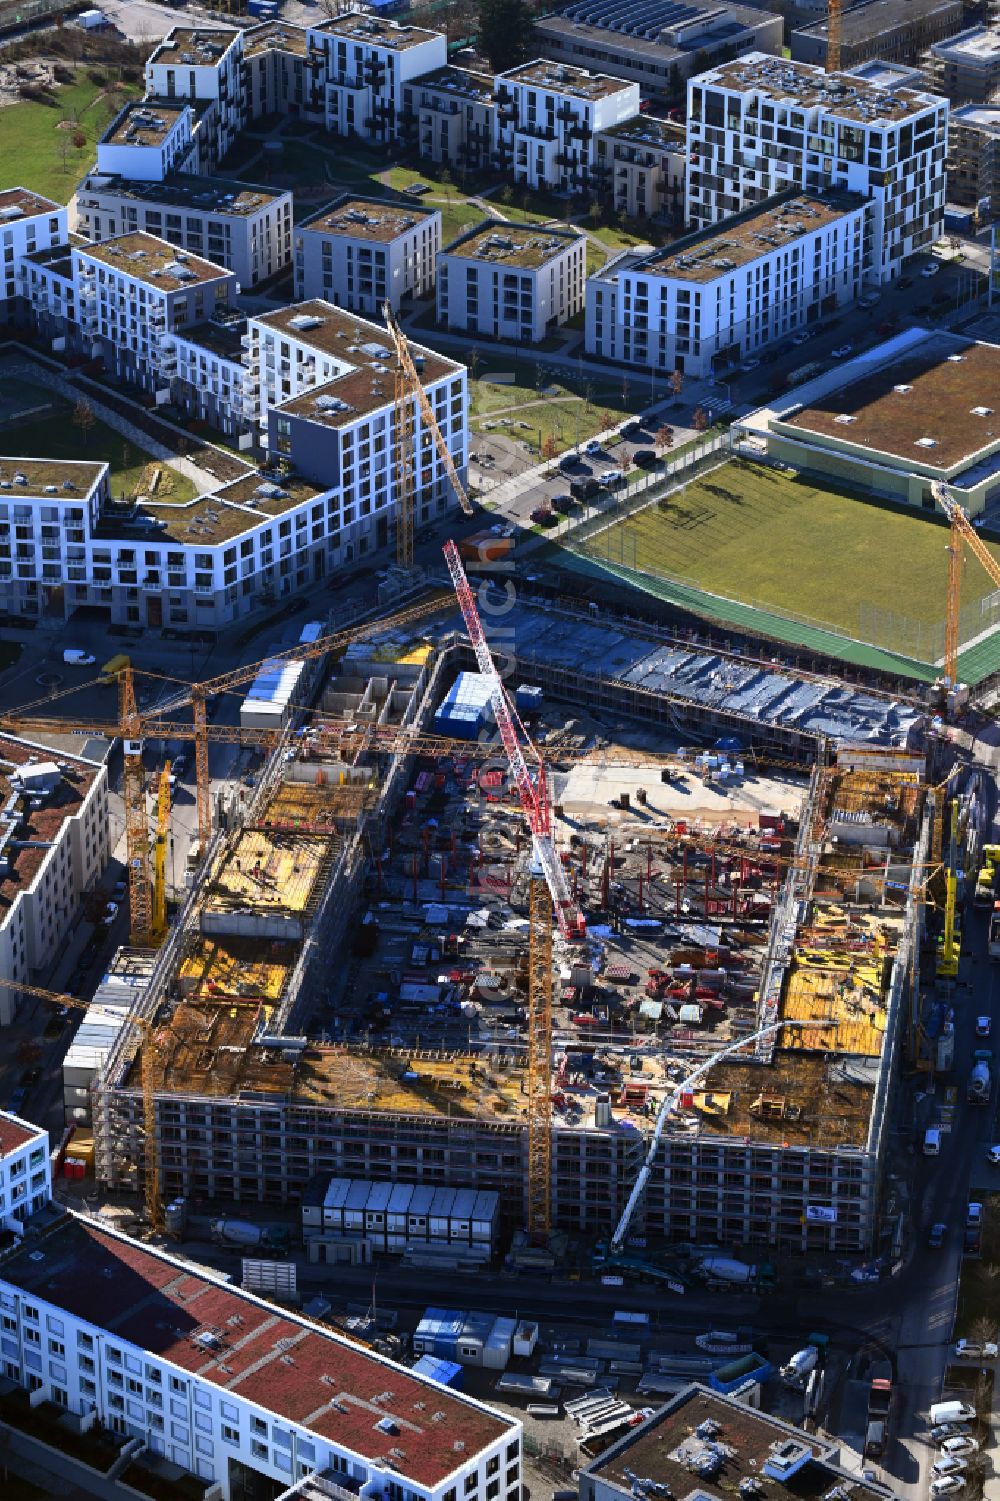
[[202, 65], [134, 293], [326, 395], [511, 281], [28, 224], [148, 140], [248, 1397], [54, 829], [361, 253], [45, 279], [547, 115], [277, 79], [360, 64], [762, 125], [25, 1171], [639, 167], [244, 228], [449, 117], [208, 378], [722, 295]]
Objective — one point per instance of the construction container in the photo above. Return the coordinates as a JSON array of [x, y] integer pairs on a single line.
[[274, 693], [465, 708], [529, 699]]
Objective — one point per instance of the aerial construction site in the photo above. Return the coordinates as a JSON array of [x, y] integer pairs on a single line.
[[648, 992]]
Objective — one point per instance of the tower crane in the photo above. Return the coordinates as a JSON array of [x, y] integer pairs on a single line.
[[962, 531], [548, 893], [159, 917], [834, 34], [409, 387]]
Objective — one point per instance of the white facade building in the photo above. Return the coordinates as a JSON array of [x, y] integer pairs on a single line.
[[360, 63], [326, 395], [134, 293], [448, 117], [721, 295], [361, 253], [511, 281], [246, 229], [202, 64], [25, 1171], [547, 115], [54, 830], [232, 1388], [28, 223], [147, 141], [761, 125]]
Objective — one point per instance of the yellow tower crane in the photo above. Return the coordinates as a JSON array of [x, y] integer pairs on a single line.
[[159, 921], [962, 532]]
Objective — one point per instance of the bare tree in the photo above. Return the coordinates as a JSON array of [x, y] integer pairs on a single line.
[[84, 418]]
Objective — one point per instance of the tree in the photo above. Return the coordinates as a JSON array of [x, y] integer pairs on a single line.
[[550, 447], [84, 418], [447, 182], [676, 382], [79, 140], [505, 28], [700, 420], [664, 437]]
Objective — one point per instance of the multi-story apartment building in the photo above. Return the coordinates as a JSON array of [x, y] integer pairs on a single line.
[[658, 47], [246, 1396], [246, 229], [448, 117], [359, 65], [719, 296], [208, 378], [134, 292], [205, 65], [893, 30], [974, 159], [29, 224], [511, 281], [25, 1171], [276, 78], [547, 116], [326, 397], [639, 168], [760, 125], [361, 253], [54, 831], [151, 138], [966, 69]]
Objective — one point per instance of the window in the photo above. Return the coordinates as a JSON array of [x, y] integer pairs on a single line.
[[471, 1482], [177, 1385], [257, 1425], [230, 1435], [257, 1449]]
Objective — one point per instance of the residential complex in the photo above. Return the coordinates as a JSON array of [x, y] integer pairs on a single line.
[[974, 159], [966, 68], [726, 293], [224, 1384], [659, 46], [760, 125], [25, 1171], [202, 65], [360, 64], [28, 224], [914, 409], [511, 281], [55, 838], [547, 116], [361, 253], [244, 228], [449, 116], [893, 30], [639, 168]]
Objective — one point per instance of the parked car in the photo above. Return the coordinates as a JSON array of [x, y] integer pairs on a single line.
[[748, 365], [948, 1465], [870, 299], [983, 1024], [110, 913], [584, 1019], [633, 431], [842, 351], [942, 1431], [970, 1349], [569, 461], [563, 503], [947, 1485], [931, 269], [974, 1216], [993, 1155], [645, 458], [593, 445], [802, 337], [74, 658], [961, 1443], [936, 1236], [612, 477]]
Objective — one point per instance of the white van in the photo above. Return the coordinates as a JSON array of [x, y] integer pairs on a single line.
[[932, 1141], [951, 1412]]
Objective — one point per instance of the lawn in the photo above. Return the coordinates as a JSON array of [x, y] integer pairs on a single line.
[[777, 540], [56, 436], [36, 140], [535, 406]]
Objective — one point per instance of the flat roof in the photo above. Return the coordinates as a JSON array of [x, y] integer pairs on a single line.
[[223, 968], [932, 393], [649, 130], [377, 219], [462, 82], [57, 259], [555, 29], [220, 339], [669, 1446], [504, 244], [196, 46], [275, 36], [216, 195], [375, 31], [715, 252], [301, 1372], [16, 1133], [860, 22], [74, 479], [154, 261], [977, 117], [38, 826], [144, 123], [979, 46], [22, 203], [807, 86], [562, 78], [209, 520]]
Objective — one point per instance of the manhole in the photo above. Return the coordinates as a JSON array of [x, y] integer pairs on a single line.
[[49, 679]]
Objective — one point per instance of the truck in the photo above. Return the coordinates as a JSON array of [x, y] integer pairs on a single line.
[[798, 1369], [112, 667], [879, 1405], [979, 1084], [241, 1235], [803, 373]]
